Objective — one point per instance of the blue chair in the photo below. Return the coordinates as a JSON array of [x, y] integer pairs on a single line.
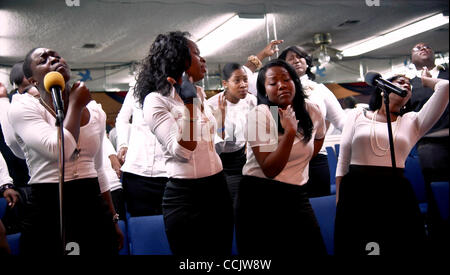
[[413, 172], [14, 242], [441, 195], [234, 251], [3, 206], [337, 146], [125, 250], [332, 164], [325, 211], [147, 236]]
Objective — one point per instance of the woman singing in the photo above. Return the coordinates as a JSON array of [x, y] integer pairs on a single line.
[[89, 215]]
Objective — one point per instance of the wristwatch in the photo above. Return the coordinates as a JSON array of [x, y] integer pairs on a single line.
[[4, 187], [116, 218]]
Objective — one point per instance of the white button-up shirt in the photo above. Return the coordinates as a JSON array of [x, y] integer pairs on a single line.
[[144, 155], [164, 115]]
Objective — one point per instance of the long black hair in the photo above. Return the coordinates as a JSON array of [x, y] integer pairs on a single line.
[[376, 99], [305, 124], [169, 55], [302, 53]]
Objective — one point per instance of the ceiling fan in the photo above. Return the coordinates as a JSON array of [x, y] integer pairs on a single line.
[[320, 49]]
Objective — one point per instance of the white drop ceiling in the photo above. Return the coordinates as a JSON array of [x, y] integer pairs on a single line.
[[124, 29]]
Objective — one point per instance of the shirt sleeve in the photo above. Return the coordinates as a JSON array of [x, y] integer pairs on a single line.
[[108, 147], [317, 119], [8, 131], [261, 129], [29, 124], [335, 114], [4, 174], [98, 159], [123, 124], [433, 108], [252, 78], [345, 151], [163, 125]]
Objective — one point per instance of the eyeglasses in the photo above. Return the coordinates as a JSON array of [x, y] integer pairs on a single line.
[[419, 48]]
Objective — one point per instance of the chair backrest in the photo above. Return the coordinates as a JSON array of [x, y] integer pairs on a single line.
[[413, 173], [147, 236], [441, 195], [2, 207], [332, 164], [13, 242], [336, 149], [325, 211]]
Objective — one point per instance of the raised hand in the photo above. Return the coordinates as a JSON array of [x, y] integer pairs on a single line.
[[288, 120], [222, 104], [79, 95], [186, 90], [271, 48]]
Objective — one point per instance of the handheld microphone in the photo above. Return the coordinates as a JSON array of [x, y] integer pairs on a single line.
[[54, 84], [374, 79]]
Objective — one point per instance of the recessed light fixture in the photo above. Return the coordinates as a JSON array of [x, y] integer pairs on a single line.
[[397, 35], [89, 46], [236, 26]]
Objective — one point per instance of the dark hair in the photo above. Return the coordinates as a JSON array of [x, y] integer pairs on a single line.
[[16, 76], [27, 63], [305, 124], [169, 55], [376, 99], [302, 53], [229, 68], [349, 102]]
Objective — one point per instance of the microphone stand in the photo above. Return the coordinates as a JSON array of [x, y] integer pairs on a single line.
[[59, 124], [388, 118]]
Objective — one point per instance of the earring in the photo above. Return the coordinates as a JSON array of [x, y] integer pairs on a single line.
[[382, 94]]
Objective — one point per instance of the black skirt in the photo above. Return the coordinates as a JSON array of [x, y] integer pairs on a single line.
[[198, 216], [88, 220], [274, 218], [232, 167], [377, 205]]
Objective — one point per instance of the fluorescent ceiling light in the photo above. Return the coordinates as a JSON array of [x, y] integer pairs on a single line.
[[237, 26], [397, 35]]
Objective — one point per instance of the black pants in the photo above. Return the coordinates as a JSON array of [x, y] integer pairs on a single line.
[[377, 204], [433, 154], [143, 195], [198, 216], [274, 218], [318, 184], [87, 219], [232, 167]]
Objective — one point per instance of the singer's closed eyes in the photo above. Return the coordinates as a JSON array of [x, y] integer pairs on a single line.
[[86, 197]]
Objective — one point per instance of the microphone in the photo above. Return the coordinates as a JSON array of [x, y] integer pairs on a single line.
[[374, 79], [54, 84]]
